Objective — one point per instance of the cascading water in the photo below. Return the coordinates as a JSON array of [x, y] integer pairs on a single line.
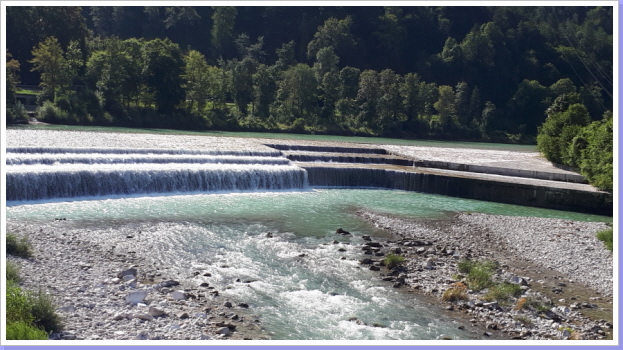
[[50, 173]]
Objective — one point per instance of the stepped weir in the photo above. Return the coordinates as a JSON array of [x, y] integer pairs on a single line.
[[86, 166]]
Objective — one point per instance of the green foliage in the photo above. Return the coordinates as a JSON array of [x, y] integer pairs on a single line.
[[18, 246], [24, 331], [503, 292], [479, 273], [393, 260], [42, 310], [12, 271], [558, 131], [51, 113], [606, 237], [17, 304]]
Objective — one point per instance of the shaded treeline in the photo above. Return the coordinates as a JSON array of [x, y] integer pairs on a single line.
[[480, 73]]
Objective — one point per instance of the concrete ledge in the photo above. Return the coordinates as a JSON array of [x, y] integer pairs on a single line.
[[496, 191], [543, 175]]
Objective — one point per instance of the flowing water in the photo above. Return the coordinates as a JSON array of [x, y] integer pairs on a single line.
[[212, 211]]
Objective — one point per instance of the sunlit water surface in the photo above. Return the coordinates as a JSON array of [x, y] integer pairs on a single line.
[[297, 282]]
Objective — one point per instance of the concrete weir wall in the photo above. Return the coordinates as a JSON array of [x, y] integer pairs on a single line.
[[503, 192]]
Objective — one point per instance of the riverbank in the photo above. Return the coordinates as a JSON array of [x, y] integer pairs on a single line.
[[564, 272], [106, 294]]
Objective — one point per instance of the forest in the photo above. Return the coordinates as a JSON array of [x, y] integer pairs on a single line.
[[482, 73]]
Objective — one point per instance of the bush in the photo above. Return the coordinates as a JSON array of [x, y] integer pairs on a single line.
[[42, 309], [393, 260], [18, 246], [17, 307], [606, 237], [49, 112], [478, 273], [12, 272], [503, 292], [24, 331], [458, 291]]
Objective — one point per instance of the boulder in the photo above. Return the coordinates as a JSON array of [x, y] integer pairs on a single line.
[[128, 272], [223, 331], [156, 312], [179, 295], [136, 296]]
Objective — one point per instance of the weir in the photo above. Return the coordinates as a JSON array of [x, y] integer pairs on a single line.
[[55, 174]]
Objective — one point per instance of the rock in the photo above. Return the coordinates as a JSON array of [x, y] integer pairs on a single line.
[[421, 250], [373, 244], [156, 312], [223, 331], [429, 264], [127, 278], [243, 305], [183, 315], [69, 336], [342, 231], [136, 297], [518, 280], [487, 334], [397, 285], [375, 268], [145, 317], [366, 238], [131, 271], [269, 235], [119, 317], [204, 284], [228, 304], [366, 261], [169, 283], [179, 295]]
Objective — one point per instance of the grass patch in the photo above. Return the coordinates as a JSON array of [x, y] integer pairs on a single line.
[[478, 273], [503, 292], [458, 291], [42, 309], [606, 237], [12, 271], [18, 246], [537, 305], [30, 314], [523, 320], [24, 331], [393, 260]]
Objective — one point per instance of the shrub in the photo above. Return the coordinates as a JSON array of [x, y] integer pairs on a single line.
[[503, 292], [478, 273], [12, 271], [606, 237], [42, 309], [538, 305], [458, 291], [49, 112], [393, 260], [524, 320], [18, 246], [24, 331], [17, 307]]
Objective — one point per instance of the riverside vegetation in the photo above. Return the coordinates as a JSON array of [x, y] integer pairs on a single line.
[[29, 315]]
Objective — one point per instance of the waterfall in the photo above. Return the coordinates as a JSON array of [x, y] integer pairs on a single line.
[[49, 173]]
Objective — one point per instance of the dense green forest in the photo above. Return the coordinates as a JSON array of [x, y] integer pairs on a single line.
[[486, 73]]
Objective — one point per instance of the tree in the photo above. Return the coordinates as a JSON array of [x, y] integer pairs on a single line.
[[368, 97], [445, 106], [558, 131], [162, 71], [297, 93], [242, 82], [48, 59], [596, 160], [326, 62], [390, 107], [335, 33], [224, 18], [197, 80], [285, 56], [265, 89]]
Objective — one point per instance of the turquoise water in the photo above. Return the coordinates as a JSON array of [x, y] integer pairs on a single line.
[[302, 286], [306, 137]]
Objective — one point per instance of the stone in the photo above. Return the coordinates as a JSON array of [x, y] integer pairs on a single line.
[[375, 268], [228, 304], [179, 295], [366, 238], [373, 244], [223, 331], [145, 317], [342, 231], [131, 271], [136, 297], [169, 283], [183, 315], [127, 278], [429, 264], [119, 317], [156, 312], [243, 305], [518, 280]]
